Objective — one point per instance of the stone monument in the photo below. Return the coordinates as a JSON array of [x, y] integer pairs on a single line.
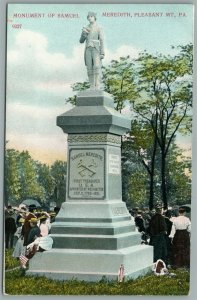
[[94, 235]]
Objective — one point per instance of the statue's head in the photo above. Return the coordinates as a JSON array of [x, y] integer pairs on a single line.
[[91, 14]]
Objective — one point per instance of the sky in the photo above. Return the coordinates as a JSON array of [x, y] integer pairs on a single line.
[[44, 58]]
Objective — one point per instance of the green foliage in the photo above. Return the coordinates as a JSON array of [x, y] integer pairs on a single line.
[[136, 183], [46, 180], [179, 177], [119, 81], [141, 154], [58, 173], [26, 178], [12, 176], [186, 54], [165, 96], [137, 188], [134, 176], [30, 186], [21, 177]]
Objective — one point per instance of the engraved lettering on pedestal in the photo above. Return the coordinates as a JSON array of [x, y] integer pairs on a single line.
[[114, 164], [86, 174], [117, 211]]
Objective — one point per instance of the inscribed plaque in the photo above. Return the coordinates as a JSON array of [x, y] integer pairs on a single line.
[[86, 174]]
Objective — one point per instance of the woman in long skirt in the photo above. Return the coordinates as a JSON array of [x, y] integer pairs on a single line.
[[19, 246], [180, 234]]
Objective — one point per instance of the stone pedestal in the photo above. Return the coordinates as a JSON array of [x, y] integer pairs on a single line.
[[93, 233]]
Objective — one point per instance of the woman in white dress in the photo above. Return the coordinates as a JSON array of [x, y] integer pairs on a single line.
[[19, 247], [180, 235]]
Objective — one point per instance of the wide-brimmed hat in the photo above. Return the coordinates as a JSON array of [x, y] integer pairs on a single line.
[[23, 206], [33, 220], [43, 217], [52, 214], [21, 220]]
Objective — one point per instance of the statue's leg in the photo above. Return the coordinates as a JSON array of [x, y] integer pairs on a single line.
[[97, 79], [97, 68], [89, 64], [91, 78]]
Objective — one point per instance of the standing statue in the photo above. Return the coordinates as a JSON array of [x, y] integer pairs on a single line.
[[94, 50]]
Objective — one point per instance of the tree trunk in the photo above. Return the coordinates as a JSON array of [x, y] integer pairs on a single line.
[[151, 191], [152, 173], [163, 180]]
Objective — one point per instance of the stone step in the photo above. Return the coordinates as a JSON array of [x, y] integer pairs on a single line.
[[93, 224], [99, 230], [89, 276], [91, 220], [91, 265], [82, 241]]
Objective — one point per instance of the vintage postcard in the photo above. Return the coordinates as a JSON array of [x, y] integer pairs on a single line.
[[98, 149]]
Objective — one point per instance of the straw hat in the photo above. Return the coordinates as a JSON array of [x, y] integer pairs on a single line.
[[21, 220], [33, 220]]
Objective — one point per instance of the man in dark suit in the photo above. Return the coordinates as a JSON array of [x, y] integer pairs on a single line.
[[157, 232], [10, 227]]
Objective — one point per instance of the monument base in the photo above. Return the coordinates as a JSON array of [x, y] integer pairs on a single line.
[[91, 241], [91, 265]]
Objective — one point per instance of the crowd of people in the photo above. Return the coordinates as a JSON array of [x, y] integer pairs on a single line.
[[168, 231], [27, 231]]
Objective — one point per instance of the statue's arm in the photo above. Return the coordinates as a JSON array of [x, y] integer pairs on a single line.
[[101, 38], [83, 37]]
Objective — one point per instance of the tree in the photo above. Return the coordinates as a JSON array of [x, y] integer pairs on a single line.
[[21, 178], [119, 81], [30, 186], [186, 55], [12, 177], [137, 188], [164, 102], [45, 180], [134, 176], [143, 142], [58, 172], [178, 177]]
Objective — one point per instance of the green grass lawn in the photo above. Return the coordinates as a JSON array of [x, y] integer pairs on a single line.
[[10, 262], [16, 283]]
